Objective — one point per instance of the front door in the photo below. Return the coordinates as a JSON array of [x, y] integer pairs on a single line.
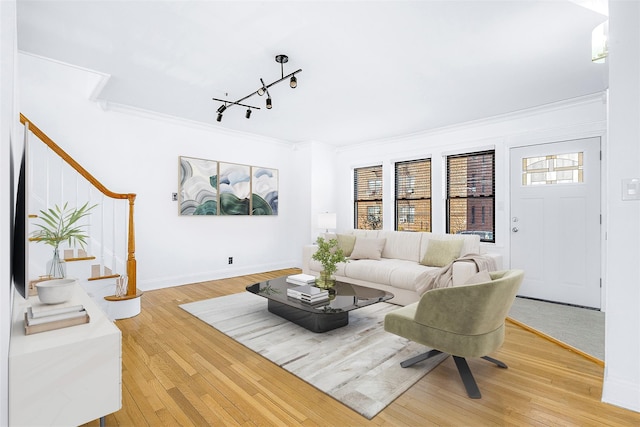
[[555, 220]]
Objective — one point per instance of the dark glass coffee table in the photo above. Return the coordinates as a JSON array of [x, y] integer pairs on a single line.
[[317, 317]]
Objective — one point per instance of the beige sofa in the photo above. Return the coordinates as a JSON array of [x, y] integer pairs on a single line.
[[400, 264]]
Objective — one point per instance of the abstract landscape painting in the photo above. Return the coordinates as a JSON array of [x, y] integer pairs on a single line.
[[234, 189], [264, 191], [198, 186]]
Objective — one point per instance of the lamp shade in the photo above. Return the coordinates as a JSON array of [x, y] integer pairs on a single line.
[[327, 220]]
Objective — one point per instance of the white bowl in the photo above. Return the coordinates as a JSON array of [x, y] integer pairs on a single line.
[[56, 291]]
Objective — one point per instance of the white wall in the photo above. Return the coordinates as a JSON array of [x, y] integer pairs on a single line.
[[622, 334], [138, 153], [8, 180], [578, 118]]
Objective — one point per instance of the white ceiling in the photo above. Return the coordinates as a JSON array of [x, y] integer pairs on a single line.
[[370, 69]]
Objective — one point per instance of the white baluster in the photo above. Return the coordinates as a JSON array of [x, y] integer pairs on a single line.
[[48, 171], [62, 163], [102, 233], [114, 266], [125, 234], [89, 225]]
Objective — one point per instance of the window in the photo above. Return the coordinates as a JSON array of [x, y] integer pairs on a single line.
[[553, 169], [367, 190], [471, 186], [413, 195]]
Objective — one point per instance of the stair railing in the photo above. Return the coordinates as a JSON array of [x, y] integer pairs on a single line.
[[131, 266]]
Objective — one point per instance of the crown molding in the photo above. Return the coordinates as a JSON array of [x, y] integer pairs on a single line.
[[469, 125], [193, 124]]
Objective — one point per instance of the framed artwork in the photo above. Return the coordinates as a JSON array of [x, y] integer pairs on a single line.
[[198, 186], [234, 188], [264, 191], [209, 187]]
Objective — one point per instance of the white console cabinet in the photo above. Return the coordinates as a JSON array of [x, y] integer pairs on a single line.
[[67, 376]]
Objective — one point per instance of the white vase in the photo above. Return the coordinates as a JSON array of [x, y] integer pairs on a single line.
[[56, 267]]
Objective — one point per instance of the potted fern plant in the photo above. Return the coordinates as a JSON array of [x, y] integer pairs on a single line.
[[329, 254], [59, 225]]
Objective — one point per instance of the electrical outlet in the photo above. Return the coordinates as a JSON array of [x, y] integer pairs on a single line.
[[230, 260], [174, 197]]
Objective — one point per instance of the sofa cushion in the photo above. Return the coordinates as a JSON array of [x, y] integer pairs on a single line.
[[364, 233], [346, 243], [397, 273], [404, 274], [369, 270], [401, 245], [366, 248], [442, 252]]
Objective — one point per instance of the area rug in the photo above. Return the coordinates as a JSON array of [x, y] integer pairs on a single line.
[[358, 364]]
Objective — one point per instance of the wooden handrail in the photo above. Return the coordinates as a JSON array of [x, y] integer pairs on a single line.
[[131, 245]]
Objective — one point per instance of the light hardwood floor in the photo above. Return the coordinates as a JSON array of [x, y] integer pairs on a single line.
[[177, 370]]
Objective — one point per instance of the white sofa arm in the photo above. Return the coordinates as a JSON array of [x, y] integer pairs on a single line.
[[463, 270], [498, 260], [307, 252]]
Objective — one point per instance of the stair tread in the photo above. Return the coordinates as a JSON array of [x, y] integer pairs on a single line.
[[124, 297], [111, 276], [79, 258]]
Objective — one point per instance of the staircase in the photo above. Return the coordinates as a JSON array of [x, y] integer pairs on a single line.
[[53, 177]]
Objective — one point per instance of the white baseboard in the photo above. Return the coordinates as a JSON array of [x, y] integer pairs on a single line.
[[169, 282], [622, 393]]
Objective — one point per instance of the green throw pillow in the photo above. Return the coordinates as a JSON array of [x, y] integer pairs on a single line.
[[442, 252], [346, 243]]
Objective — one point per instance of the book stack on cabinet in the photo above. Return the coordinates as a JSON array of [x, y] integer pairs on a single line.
[[54, 318]]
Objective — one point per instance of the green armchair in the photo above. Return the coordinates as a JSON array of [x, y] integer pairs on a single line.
[[464, 321]]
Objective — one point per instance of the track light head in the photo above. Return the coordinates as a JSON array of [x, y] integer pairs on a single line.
[[221, 109], [248, 113], [263, 89], [294, 82], [219, 119], [269, 103]]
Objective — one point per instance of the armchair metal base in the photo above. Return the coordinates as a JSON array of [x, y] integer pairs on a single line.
[[463, 369]]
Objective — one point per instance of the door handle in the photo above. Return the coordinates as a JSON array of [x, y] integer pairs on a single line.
[[514, 229]]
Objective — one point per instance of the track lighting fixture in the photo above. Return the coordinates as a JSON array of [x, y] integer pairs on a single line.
[[293, 82]]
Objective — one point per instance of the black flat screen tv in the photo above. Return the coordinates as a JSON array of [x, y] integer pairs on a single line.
[[20, 237]]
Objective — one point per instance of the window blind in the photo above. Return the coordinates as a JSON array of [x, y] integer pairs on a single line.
[[471, 194], [367, 188], [413, 195]]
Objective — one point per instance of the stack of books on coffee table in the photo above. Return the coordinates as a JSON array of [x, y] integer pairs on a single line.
[[308, 294], [301, 279]]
